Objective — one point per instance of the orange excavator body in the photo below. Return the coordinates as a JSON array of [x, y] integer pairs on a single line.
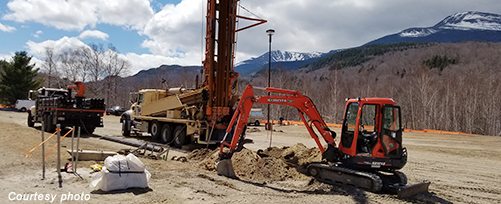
[[370, 142], [352, 134]]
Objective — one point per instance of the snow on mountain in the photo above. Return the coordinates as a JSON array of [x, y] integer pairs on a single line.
[[417, 32], [281, 56], [459, 27], [470, 20], [286, 59]]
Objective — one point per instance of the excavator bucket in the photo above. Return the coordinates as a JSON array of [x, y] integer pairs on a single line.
[[412, 190], [224, 167]]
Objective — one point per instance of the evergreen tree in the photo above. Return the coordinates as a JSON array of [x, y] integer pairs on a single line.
[[17, 78]]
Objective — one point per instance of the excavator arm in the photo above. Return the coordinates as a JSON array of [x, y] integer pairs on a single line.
[[304, 105]]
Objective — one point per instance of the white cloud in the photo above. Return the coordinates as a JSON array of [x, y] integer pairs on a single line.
[[93, 34], [65, 43], [76, 15], [6, 28], [175, 32], [6, 57], [138, 62], [37, 33]]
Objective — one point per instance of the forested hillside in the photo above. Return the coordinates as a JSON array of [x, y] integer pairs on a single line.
[[454, 87]]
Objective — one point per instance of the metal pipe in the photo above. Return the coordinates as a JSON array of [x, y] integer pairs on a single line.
[[43, 151], [78, 151], [72, 150], [270, 33], [59, 178]]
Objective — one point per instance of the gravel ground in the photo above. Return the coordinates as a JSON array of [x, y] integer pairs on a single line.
[[462, 169]]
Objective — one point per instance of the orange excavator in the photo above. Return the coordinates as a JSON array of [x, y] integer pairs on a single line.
[[370, 151]]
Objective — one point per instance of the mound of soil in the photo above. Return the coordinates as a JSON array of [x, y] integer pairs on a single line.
[[271, 164], [199, 154]]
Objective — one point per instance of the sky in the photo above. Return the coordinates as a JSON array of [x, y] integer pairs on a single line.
[[150, 33]]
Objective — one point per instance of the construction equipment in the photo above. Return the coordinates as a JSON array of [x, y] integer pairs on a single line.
[[370, 151], [179, 116], [59, 106]]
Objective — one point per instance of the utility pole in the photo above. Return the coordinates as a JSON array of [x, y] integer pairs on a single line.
[[269, 126]]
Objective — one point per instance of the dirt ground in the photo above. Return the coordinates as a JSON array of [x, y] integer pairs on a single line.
[[461, 168]]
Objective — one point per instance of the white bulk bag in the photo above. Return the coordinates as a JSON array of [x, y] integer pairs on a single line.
[[121, 172]]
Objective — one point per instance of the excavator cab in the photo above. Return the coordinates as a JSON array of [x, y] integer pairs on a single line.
[[371, 135]]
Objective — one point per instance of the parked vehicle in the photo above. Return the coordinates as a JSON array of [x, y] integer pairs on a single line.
[[67, 108], [256, 114], [24, 105], [115, 110]]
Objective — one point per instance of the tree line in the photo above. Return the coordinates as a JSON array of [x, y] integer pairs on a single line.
[[98, 66], [454, 87]]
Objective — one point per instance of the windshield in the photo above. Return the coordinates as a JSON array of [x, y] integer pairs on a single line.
[[351, 117], [368, 119], [391, 118]]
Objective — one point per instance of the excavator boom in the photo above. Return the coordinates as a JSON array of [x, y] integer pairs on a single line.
[[306, 110]]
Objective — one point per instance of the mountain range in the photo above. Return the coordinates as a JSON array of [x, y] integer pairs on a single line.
[[459, 27]]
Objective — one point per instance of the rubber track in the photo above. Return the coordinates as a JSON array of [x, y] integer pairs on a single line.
[[377, 183]]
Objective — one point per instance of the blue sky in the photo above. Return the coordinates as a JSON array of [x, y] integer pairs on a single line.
[[149, 33], [125, 40]]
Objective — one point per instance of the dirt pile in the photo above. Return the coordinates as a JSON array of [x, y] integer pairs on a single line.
[[199, 154], [271, 164]]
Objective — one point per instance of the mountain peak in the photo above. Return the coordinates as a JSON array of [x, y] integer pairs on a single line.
[[471, 20], [281, 56]]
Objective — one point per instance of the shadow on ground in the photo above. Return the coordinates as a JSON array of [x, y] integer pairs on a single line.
[[135, 191]]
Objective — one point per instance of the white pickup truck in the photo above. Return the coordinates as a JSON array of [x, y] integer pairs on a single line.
[[24, 105]]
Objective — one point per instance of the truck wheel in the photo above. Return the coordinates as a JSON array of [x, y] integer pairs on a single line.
[[23, 109], [126, 127], [31, 123], [180, 136], [166, 134], [155, 130]]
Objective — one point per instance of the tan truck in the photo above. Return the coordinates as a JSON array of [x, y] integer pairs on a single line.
[[173, 116]]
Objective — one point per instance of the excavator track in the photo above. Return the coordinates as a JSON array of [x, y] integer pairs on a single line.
[[335, 174]]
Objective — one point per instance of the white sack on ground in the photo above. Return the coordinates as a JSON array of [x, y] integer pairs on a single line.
[[121, 172]]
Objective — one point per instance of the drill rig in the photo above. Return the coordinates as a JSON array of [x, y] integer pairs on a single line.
[[370, 151], [179, 115]]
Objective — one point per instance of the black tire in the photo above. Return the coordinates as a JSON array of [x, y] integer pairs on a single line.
[[166, 135], [180, 138], [23, 109], [126, 127], [30, 121], [256, 123], [155, 129]]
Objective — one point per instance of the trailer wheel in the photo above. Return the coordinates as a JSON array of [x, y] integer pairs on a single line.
[[180, 136], [166, 134], [155, 130], [31, 123], [126, 127]]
